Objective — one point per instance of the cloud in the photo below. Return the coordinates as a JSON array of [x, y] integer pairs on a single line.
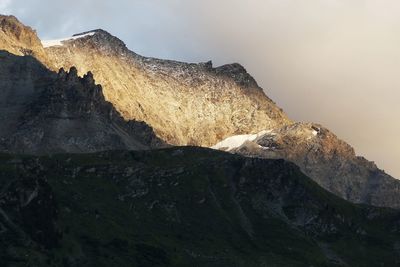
[[330, 61], [4, 5]]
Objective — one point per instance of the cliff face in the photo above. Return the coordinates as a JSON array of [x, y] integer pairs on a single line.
[[46, 112], [185, 103]]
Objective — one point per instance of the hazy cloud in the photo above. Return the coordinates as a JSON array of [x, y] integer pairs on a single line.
[[330, 61]]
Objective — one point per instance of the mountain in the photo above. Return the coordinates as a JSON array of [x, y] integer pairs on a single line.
[[132, 202], [182, 207], [198, 104], [47, 112], [186, 104]]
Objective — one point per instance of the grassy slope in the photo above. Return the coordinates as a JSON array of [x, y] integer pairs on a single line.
[[190, 207]]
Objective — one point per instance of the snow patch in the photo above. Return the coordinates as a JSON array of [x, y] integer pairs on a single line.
[[238, 140], [264, 147], [59, 42]]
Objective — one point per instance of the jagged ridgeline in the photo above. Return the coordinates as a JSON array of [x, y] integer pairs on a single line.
[[47, 112], [195, 104]]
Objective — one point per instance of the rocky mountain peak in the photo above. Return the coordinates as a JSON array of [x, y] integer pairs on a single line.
[[19, 39], [72, 75], [98, 39], [238, 73], [12, 26], [206, 65], [88, 78], [84, 88]]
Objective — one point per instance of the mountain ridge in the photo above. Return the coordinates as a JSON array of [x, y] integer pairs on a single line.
[[169, 82], [198, 104]]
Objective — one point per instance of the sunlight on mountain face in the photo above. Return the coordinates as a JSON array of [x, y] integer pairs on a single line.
[[330, 61]]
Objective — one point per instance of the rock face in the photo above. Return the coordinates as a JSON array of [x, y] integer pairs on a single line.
[[46, 112], [182, 207], [186, 104], [329, 161]]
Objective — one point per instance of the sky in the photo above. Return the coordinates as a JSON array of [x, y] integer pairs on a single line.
[[333, 62]]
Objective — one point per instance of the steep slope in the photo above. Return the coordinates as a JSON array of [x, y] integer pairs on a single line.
[[46, 112], [185, 103], [329, 161], [182, 207]]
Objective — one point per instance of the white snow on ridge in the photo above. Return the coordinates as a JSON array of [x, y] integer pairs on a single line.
[[237, 140], [58, 42]]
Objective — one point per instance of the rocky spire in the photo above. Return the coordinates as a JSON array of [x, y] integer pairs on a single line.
[[238, 73]]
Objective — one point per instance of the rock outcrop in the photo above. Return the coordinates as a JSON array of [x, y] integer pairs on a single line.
[[325, 158], [46, 112]]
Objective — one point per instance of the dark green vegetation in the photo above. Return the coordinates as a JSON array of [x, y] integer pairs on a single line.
[[181, 207]]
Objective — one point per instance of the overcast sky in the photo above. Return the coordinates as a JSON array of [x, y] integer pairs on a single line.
[[335, 62]]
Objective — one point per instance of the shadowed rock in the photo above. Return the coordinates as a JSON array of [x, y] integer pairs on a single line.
[[46, 112]]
